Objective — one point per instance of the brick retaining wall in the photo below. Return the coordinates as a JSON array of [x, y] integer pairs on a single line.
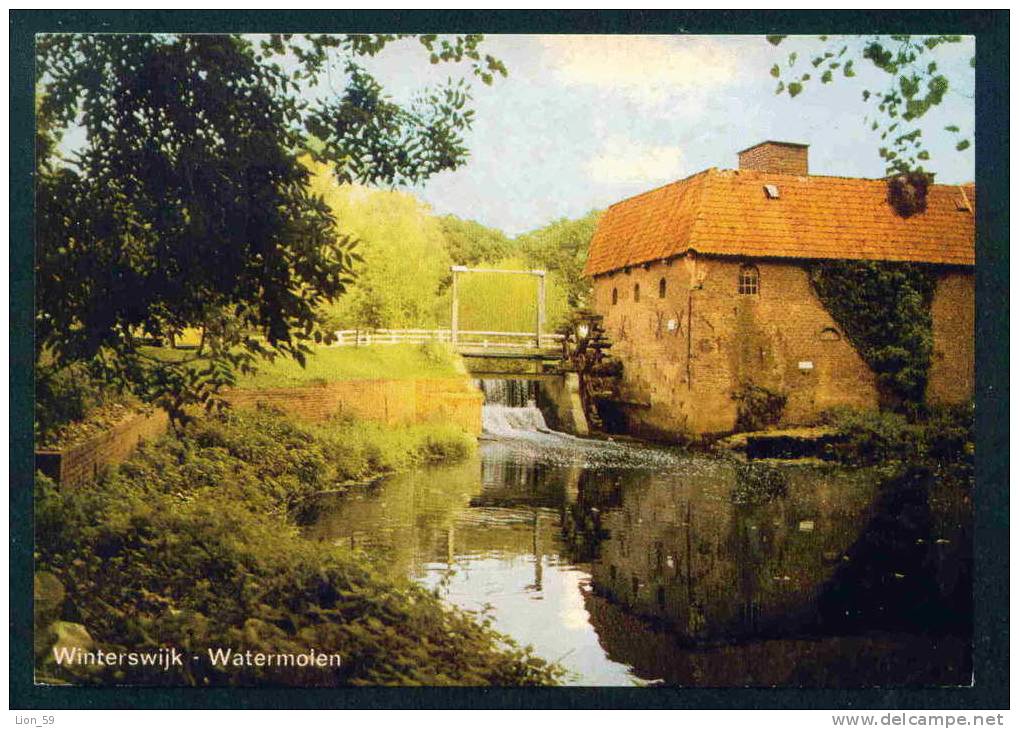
[[393, 402], [81, 462]]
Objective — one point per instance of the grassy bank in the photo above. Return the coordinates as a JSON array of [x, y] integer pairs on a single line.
[[381, 361], [330, 364], [192, 544]]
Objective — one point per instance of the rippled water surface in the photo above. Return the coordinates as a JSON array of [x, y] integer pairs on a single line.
[[638, 565]]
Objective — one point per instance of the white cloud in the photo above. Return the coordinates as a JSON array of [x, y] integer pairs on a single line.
[[624, 161], [647, 68]]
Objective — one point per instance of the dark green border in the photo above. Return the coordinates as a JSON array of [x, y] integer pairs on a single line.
[[990, 690]]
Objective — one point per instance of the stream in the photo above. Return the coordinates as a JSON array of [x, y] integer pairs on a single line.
[[642, 565]]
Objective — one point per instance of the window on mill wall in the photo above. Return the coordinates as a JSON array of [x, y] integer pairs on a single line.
[[636, 292], [615, 296], [661, 288], [749, 281]]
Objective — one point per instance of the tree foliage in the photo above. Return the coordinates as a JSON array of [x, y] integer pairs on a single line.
[[561, 248], [402, 250], [507, 302], [187, 205], [915, 85], [470, 243]]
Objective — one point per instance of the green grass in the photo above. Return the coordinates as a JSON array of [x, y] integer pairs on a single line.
[[332, 364]]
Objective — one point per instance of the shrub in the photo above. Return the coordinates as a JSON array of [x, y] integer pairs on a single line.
[[757, 484], [359, 450], [757, 407], [940, 436], [65, 396]]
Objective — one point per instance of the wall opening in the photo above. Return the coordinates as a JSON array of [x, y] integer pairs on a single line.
[[749, 281]]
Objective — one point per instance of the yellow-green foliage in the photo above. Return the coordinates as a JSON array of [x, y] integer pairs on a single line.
[[192, 544], [359, 450], [404, 252], [403, 281], [504, 303], [561, 248]]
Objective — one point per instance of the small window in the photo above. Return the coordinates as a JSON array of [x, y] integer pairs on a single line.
[[749, 281], [828, 334], [771, 192], [615, 296], [661, 288], [636, 292]]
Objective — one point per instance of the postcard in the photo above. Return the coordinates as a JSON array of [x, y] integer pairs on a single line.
[[559, 359]]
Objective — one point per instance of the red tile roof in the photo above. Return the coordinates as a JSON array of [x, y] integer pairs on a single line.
[[726, 213]]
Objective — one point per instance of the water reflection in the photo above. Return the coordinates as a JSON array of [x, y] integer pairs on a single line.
[[635, 565], [677, 551]]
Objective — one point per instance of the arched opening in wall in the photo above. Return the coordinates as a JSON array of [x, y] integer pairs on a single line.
[[749, 281], [829, 334], [615, 296], [661, 288], [636, 293]]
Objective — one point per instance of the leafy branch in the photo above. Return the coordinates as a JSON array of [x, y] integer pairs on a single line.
[[916, 84]]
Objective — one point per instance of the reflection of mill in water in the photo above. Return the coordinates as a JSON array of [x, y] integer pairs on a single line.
[[709, 568]]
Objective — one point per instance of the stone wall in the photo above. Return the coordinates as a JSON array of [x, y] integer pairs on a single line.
[[687, 352], [559, 398], [393, 402], [81, 462]]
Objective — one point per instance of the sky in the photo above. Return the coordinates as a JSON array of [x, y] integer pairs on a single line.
[[582, 122]]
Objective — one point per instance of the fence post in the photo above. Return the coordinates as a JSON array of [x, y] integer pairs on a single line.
[[541, 308], [454, 318]]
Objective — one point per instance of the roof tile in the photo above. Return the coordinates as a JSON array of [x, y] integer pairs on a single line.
[[725, 212]]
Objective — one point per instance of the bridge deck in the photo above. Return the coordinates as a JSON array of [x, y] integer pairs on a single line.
[[474, 344], [517, 353]]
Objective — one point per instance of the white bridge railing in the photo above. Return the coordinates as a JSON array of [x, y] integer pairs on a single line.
[[464, 338]]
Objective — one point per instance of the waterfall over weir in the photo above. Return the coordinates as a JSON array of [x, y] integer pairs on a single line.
[[510, 410]]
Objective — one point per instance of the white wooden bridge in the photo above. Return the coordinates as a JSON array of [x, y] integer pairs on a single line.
[[533, 345], [511, 345]]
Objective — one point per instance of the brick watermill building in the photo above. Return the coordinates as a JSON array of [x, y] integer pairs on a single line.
[[704, 289]]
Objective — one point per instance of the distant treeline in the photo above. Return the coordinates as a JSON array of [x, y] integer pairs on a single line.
[[403, 279]]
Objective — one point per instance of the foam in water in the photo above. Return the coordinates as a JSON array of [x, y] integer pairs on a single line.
[[510, 410], [506, 421]]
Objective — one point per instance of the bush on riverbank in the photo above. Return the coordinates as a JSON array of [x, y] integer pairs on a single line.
[[72, 404], [941, 437], [359, 451], [192, 544]]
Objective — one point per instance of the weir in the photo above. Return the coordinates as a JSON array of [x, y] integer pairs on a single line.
[[518, 405], [511, 408]]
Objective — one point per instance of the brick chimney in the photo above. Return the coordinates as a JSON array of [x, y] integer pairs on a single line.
[[784, 158]]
